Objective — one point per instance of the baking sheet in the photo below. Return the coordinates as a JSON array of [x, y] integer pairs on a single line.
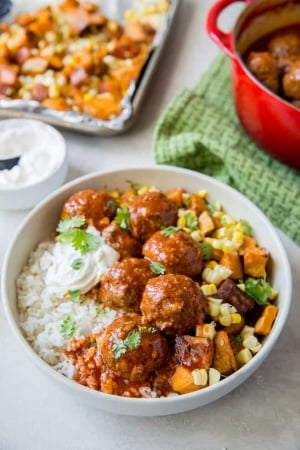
[[114, 9]]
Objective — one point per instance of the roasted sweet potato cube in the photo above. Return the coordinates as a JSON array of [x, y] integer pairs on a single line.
[[224, 359], [182, 381], [255, 260], [194, 352], [206, 223], [233, 262]]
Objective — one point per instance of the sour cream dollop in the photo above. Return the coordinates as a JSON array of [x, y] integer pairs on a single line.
[[40, 147], [61, 276]]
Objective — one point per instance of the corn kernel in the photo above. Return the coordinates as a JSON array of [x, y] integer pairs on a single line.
[[247, 331], [213, 310], [200, 377], [208, 289], [206, 330], [54, 90], [225, 320], [143, 190], [181, 222], [243, 356], [225, 309], [197, 235], [251, 342], [236, 318], [214, 376]]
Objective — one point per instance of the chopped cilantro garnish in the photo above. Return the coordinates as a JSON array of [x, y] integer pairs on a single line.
[[259, 289], [76, 263], [122, 217], [237, 339], [157, 268], [247, 229], [68, 327], [80, 239], [168, 231], [74, 295], [206, 250], [112, 205], [132, 342], [134, 184], [212, 207], [68, 223], [100, 310]]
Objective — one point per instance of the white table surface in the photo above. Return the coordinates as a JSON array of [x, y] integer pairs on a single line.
[[262, 414]]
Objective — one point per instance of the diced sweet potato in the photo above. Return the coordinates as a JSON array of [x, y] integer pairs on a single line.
[[224, 359], [206, 223], [233, 262], [255, 260], [264, 324], [182, 381]]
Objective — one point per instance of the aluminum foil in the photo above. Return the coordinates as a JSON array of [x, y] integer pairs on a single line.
[[70, 120]]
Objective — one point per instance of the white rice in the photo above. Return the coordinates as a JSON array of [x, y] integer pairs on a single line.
[[42, 312]]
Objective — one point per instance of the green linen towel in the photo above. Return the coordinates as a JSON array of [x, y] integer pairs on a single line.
[[199, 130]]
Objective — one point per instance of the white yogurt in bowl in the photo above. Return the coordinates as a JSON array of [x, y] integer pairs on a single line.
[[40, 164]]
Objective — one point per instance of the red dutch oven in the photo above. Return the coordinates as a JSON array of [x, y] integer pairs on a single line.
[[272, 122]]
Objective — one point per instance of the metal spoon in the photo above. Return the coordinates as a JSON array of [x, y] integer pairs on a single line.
[[9, 163]]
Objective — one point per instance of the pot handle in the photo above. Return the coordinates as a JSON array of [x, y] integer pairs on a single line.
[[223, 40]]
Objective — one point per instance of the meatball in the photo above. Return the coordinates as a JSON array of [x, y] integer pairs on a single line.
[[93, 205], [123, 284], [264, 67], [291, 82], [173, 303], [149, 212], [131, 349], [284, 44], [178, 252], [121, 240]]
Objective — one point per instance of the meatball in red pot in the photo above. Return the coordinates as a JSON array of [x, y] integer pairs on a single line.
[[149, 213], [123, 284], [132, 350], [173, 303], [178, 252]]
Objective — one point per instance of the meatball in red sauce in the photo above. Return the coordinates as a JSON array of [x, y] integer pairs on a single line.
[[173, 303], [93, 205], [132, 350], [178, 252], [121, 240], [149, 212], [123, 284]]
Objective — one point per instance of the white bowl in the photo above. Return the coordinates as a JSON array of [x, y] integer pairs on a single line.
[[48, 165], [42, 221]]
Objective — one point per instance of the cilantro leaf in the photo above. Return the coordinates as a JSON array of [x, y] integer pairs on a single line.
[[81, 240], [68, 223], [112, 205], [123, 217], [100, 310], [75, 295], [68, 327], [76, 263], [157, 268], [206, 250], [134, 184], [131, 342], [191, 220], [212, 207], [259, 289], [168, 231], [247, 229]]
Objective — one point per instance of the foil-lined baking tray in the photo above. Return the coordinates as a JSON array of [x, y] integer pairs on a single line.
[[71, 120]]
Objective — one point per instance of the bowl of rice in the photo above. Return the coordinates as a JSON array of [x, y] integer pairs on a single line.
[[146, 291]]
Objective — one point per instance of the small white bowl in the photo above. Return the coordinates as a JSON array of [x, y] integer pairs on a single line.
[[42, 221], [42, 167]]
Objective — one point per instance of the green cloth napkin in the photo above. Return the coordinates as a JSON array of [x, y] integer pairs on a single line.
[[199, 130]]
